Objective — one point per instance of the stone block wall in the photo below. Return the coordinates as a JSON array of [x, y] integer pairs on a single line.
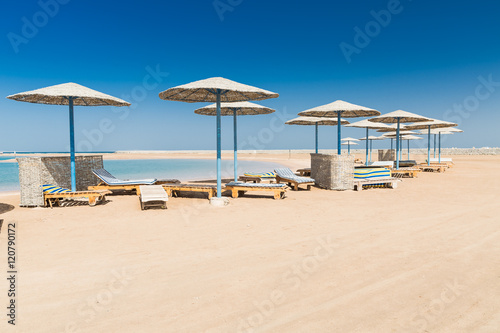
[[333, 172]]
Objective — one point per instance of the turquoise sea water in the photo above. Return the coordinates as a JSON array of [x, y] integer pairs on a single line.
[[183, 169]]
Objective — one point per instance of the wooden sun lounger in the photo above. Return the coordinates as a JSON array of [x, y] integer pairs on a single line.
[[93, 197], [286, 175], [401, 172], [255, 179], [305, 172], [432, 167], [358, 183], [240, 189], [174, 189], [131, 187], [153, 195]]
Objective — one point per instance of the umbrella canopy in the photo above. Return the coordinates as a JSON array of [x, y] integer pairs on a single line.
[[392, 128], [433, 124], [367, 125], [408, 138], [207, 91], [442, 130], [340, 109], [316, 121], [401, 133], [69, 94], [228, 109], [235, 109], [371, 137], [398, 117], [216, 89], [349, 139], [62, 93], [349, 143]]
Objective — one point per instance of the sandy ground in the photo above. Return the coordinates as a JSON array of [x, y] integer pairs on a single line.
[[424, 257]]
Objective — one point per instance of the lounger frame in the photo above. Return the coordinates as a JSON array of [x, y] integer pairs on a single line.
[[238, 191], [174, 189], [53, 199], [359, 182]]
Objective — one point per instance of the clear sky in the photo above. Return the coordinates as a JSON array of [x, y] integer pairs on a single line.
[[436, 58]]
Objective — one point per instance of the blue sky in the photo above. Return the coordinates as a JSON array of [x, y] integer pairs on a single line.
[[433, 58]]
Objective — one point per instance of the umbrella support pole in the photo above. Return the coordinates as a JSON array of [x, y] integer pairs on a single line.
[[429, 145], [366, 159], [72, 144], [235, 132], [434, 145], [316, 126], [339, 125], [371, 148], [439, 147], [349, 147], [218, 145], [408, 150], [397, 145]]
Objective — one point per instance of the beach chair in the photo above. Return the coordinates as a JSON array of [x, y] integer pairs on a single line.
[[238, 189], [401, 172], [174, 190], [153, 195], [257, 177], [304, 172], [446, 161], [376, 177], [287, 176], [110, 182], [52, 195], [432, 167], [385, 164]]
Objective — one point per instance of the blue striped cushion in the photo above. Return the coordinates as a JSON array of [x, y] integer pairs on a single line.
[[49, 188], [255, 185], [286, 173], [364, 173]]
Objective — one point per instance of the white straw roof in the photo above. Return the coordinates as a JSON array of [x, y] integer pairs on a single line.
[[349, 139], [392, 128], [347, 110], [433, 124], [205, 91], [365, 123], [227, 109], [410, 137], [349, 143], [448, 130], [371, 137], [393, 134], [403, 116], [57, 95], [313, 120]]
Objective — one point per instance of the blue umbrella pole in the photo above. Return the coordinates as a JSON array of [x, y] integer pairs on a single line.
[[366, 159], [218, 145], [434, 145], [408, 150], [439, 147], [349, 147], [339, 125], [316, 126], [72, 144], [429, 145], [397, 145], [235, 132], [371, 148]]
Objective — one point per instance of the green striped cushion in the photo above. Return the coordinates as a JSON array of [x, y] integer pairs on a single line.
[[371, 173], [49, 188]]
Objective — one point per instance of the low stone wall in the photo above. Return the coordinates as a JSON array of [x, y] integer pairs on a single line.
[[36, 171], [333, 172]]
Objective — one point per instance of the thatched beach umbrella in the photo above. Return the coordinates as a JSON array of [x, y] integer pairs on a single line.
[[398, 117], [408, 137], [340, 108], [235, 109], [316, 121], [433, 123], [218, 90], [370, 139], [69, 94], [392, 136], [348, 141], [439, 131], [367, 125]]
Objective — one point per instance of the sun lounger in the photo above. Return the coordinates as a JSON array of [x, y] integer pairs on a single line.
[[388, 164], [110, 182], [52, 195], [257, 177], [446, 161], [239, 189], [174, 189], [287, 176], [432, 167], [153, 195], [305, 172], [376, 177], [401, 172]]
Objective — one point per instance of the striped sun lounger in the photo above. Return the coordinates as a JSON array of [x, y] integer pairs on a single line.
[[110, 182], [287, 176], [52, 195], [375, 177], [261, 174], [239, 188], [257, 177]]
